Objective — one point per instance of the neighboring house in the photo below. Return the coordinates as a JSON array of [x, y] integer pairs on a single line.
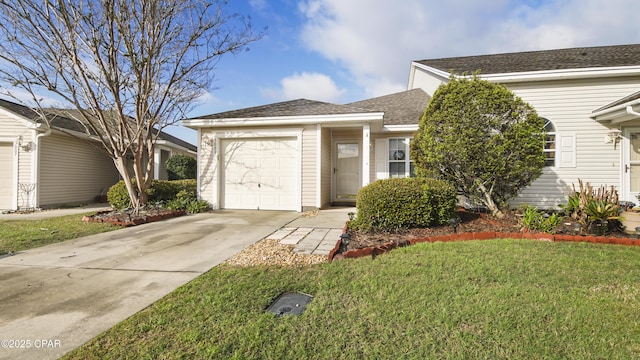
[[44, 167], [303, 154]]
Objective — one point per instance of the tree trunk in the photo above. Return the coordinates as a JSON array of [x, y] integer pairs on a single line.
[[488, 201], [121, 165]]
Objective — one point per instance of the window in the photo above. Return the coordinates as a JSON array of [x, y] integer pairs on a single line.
[[549, 143], [400, 164]]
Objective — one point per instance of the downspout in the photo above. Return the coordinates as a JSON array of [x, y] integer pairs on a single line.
[[36, 165], [630, 111]]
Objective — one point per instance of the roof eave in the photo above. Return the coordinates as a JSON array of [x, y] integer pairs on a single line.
[[545, 75], [283, 120], [173, 145], [400, 128]]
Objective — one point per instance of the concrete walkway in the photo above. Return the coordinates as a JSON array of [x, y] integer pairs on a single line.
[[57, 297]]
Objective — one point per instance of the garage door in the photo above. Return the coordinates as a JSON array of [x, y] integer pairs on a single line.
[[260, 173], [6, 176]]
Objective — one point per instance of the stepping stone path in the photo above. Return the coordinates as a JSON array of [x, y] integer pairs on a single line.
[[310, 241]]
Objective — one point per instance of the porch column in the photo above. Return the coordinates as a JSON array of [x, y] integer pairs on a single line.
[[156, 163], [366, 153]]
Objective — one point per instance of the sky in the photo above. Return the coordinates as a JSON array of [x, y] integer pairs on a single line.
[[342, 51]]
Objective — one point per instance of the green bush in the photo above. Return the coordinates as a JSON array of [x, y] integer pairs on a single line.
[[118, 196], [160, 191], [181, 167], [534, 220], [392, 204]]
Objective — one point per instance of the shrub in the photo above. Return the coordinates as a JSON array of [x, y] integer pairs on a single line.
[[392, 204], [160, 191], [181, 167], [534, 220], [118, 196]]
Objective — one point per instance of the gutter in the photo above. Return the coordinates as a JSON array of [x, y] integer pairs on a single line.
[[630, 111]]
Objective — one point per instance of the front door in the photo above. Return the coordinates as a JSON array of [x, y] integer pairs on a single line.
[[631, 164], [346, 171]]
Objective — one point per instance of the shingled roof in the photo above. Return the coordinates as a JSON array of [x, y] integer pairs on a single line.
[[404, 108], [299, 107], [65, 119], [562, 59]]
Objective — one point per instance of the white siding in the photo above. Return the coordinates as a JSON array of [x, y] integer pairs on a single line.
[[326, 170], [72, 171], [569, 105], [309, 167]]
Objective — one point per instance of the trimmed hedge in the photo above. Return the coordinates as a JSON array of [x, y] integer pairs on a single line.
[[181, 166], [392, 204], [159, 191]]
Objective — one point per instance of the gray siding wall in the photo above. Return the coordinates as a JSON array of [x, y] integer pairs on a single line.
[[72, 171]]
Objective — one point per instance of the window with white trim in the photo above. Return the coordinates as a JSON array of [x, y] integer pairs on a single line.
[[549, 143], [400, 163]]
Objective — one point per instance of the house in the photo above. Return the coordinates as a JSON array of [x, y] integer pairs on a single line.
[[46, 167], [304, 154]]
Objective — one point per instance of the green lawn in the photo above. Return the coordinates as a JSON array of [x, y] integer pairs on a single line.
[[498, 299], [17, 235]]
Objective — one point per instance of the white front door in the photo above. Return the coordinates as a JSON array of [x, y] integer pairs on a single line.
[[347, 170], [631, 164]]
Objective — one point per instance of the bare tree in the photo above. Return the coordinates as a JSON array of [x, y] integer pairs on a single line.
[[127, 68]]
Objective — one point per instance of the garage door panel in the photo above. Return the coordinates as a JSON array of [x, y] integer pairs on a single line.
[[260, 173]]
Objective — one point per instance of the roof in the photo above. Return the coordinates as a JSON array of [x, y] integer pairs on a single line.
[[561, 59], [403, 108], [624, 100], [66, 119], [299, 107]]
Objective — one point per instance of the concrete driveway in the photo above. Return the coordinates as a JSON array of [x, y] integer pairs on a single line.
[[57, 297]]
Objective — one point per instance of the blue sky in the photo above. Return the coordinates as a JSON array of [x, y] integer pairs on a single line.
[[348, 50]]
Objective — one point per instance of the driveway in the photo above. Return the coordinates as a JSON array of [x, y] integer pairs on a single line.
[[57, 297]]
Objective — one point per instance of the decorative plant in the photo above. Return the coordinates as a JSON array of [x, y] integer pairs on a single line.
[[533, 219], [587, 204]]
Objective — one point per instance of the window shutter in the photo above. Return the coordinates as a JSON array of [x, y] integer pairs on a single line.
[[566, 150], [382, 161]]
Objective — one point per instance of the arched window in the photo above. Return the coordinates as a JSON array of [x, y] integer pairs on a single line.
[[549, 143]]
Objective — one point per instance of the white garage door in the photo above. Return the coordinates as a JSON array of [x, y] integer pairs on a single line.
[[6, 176], [259, 173]]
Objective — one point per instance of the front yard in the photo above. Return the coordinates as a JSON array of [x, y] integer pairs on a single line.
[[479, 299], [18, 235]]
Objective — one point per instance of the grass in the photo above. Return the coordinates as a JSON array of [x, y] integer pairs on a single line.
[[498, 299], [18, 235]]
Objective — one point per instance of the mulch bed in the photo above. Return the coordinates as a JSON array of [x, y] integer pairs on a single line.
[[126, 218], [474, 225]]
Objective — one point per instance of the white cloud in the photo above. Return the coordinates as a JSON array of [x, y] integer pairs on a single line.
[[375, 40], [25, 98], [313, 86]]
